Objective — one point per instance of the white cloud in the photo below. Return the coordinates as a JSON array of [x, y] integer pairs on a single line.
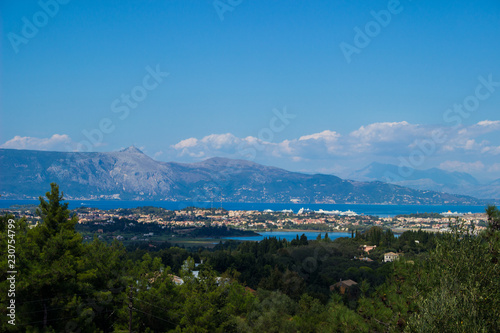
[[383, 132], [325, 135], [322, 143], [481, 128], [286, 146], [490, 123], [57, 142], [219, 141], [208, 146], [386, 137], [191, 142]]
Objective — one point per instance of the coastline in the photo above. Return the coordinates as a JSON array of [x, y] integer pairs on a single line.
[[378, 209]]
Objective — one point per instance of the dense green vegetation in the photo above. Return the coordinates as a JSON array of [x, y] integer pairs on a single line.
[[443, 283]]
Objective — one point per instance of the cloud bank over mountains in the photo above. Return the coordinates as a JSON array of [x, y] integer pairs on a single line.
[[57, 142], [386, 138], [464, 148], [458, 148]]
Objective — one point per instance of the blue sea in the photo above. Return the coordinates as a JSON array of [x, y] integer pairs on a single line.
[[374, 210]]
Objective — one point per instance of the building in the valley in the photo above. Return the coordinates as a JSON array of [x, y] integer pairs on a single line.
[[368, 248], [391, 256], [343, 286]]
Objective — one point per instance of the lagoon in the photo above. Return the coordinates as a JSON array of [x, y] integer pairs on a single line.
[[289, 235]]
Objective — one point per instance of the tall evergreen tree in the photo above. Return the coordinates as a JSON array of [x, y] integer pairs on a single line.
[[52, 267]]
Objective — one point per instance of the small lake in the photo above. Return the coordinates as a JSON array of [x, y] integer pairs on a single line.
[[289, 235]]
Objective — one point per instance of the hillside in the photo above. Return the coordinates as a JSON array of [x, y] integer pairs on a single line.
[[131, 175]]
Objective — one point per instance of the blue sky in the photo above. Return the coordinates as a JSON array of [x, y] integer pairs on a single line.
[[235, 66]]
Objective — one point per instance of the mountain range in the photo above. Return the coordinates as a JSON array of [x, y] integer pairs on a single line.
[[433, 179], [132, 175]]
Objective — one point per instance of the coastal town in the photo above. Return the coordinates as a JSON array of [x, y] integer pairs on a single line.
[[304, 219]]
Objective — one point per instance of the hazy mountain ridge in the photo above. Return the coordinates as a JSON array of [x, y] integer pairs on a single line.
[[433, 179], [129, 174]]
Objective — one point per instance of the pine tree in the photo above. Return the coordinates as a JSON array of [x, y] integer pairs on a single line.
[[53, 271], [55, 214]]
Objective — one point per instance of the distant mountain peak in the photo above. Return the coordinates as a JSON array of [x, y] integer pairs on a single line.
[[131, 175], [132, 150]]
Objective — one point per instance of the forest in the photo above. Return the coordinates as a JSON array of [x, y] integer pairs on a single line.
[[447, 282]]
